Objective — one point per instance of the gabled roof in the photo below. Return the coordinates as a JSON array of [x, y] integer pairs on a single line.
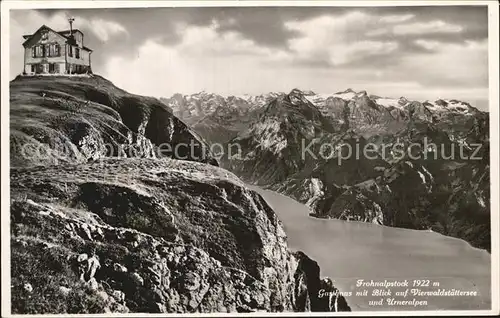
[[40, 28], [61, 33]]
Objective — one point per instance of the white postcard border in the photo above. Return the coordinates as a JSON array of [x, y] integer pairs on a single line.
[[493, 23]]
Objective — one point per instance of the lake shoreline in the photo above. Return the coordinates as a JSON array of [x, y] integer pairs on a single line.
[[351, 250], [253, 187]]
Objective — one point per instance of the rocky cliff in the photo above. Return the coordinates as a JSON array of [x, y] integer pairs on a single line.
[[276, 138], [76, 119], [149, 235], [94, 232]]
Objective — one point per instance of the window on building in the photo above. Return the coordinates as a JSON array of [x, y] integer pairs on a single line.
[[54, 50], [77, 53], [57, 50], [70, 51], [37, 68], [52, 67], [37, 51]]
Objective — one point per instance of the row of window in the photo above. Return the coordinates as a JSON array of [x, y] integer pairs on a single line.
[[46, 50], [39, 68], [78, 69], [56, 68], [51, 50]]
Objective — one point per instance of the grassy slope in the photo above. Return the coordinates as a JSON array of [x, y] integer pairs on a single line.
[[82, 114]]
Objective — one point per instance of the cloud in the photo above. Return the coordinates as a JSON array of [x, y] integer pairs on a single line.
[[207, 40], [227, 62], [377, 32], [417, 28], [427, 44], [453, 65], [335, 39], [396, 18], [104, 29], [436, 26], [204, 59], [357, 50], [28, 21]]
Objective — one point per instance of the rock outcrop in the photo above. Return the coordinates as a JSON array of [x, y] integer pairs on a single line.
[[277, 138], [150, 235], [311, 293], [78, 119]]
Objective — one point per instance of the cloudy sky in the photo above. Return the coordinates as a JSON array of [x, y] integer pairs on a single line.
[[417, 52]]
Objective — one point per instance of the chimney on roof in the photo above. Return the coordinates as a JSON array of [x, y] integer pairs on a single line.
[[71, 26]]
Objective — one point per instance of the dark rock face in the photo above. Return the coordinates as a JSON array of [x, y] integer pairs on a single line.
[[79, 119], [216, 118], [225, 122], [276, 139], [319, 185], [365, 114], [420, 111], [426, 190], [313, 293], [338, 111]]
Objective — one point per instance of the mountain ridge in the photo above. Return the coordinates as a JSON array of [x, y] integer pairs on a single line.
[[341, 186], [336, 106]]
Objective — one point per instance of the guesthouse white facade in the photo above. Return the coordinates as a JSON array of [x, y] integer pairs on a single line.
[[56, 52]]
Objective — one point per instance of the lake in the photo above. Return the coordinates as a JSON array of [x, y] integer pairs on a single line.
[[350, 251]]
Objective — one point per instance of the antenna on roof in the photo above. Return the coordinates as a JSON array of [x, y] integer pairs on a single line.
[[71, 25]]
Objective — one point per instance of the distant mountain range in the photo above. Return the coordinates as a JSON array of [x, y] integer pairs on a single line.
[[216, 117], [422, 188]]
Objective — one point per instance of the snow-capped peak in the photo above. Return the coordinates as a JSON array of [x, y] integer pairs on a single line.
[[297, 96], [348, 94], [449, 105], [392, 102], [349, 90]]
